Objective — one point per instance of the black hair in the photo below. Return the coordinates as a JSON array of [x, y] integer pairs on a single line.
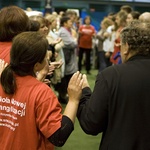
[[64, 20], [87, 17], [135, 14], [34, 25]]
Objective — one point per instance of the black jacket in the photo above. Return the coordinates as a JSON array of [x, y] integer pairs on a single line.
[[119, 106]]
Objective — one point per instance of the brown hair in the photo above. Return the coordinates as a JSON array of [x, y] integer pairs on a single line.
[[107, 22], [123, 16], [135, 14], [28, 48], [126, 8], [39, 19], [13, 21]]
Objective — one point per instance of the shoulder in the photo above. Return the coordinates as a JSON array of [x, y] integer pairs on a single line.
[[82, 26], [44, 94], [62, 30], [31, 84], [114, 72], [92, 27]]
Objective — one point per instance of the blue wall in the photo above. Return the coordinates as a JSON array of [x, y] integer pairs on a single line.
[[96, 17]]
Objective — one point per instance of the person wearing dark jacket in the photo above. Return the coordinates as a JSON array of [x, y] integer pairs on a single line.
[[119, 105]]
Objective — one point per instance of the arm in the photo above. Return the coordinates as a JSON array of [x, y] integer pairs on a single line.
[[68, 119], [92, 112], [69, 41], [100, 37], [61, 135], [47, 70]]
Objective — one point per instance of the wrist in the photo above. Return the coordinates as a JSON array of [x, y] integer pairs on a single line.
[[73, 101]]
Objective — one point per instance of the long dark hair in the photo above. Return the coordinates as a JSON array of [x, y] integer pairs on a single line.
[[28, 48]]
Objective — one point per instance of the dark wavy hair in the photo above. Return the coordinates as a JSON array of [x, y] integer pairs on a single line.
[[13, 20], [137, 36], [28, 48]]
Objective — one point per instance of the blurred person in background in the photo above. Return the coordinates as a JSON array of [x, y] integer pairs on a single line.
[[13, 21], [128, 9], [103, 36], [131, 16], [109, 40], [44, 29], [99, 46], [86, 34], [53, 36], [121, 17], [145, 17], [69, 49], [73, 17]]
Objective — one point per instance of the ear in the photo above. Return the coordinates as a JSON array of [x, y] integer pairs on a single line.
[[126, 51], [37, 67]]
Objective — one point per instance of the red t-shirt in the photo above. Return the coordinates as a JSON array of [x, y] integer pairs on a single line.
[[29, 117], [5, 51], [86, 35]]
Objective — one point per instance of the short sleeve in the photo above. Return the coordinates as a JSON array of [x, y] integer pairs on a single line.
[[48, 113]]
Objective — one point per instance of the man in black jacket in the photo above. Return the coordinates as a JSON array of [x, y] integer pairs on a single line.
[[119, 105]]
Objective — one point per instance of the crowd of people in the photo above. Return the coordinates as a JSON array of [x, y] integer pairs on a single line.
[[39, 53]]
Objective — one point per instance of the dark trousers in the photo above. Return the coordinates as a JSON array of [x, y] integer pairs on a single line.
[[102, 61], [61, 88], [87, 58]]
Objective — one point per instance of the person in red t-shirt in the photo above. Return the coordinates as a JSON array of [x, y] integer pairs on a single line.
[[13, 21], [30, 114], [86, 33]]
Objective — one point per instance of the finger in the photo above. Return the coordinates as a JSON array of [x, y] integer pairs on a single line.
[[84, 77], [6, 64], [81, 83], [73, 78], [78, 79]]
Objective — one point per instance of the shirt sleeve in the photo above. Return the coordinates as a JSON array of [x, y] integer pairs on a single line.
[[61, 135], [48, 113], [67, 39], [93, 108]]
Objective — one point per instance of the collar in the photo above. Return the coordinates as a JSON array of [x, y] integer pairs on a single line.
[[138, 57]]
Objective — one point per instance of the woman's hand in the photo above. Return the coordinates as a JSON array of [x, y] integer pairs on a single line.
[[75, 87], [57, 64], [2, 65], [74, 92]]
